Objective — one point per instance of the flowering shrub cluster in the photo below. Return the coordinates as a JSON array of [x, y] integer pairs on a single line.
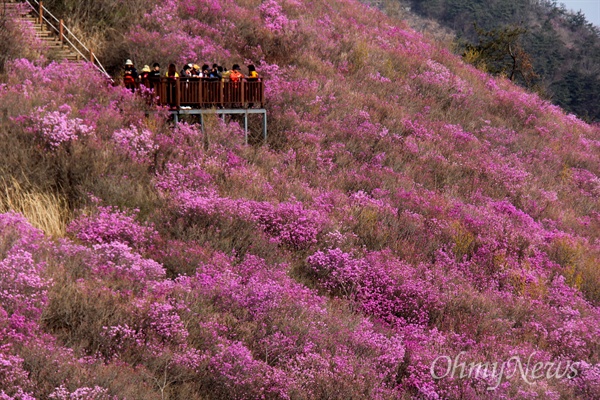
[[53, 128], [275, 20], [289, 223], [84, 393], [169, 329], [437, 75], [137, 144], [109, 225], [405, 207], [384, 288], [118, 259]]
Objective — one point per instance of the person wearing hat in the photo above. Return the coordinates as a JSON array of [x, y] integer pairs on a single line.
[[196, 70], [130, 75], [145, 75]]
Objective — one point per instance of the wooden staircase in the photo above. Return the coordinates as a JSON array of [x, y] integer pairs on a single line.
[[56, 48]]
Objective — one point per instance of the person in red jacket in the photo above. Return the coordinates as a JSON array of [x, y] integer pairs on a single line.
[[130, 76]]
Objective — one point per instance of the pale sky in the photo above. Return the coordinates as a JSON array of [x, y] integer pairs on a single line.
[[591, 9]]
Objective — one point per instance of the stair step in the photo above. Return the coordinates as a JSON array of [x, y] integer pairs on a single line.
[[57, 50], [15, 11]]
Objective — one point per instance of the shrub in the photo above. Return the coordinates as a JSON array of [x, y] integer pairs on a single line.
[[109, 225]]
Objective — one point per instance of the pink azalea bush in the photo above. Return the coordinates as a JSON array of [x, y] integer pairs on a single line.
[[109, 225], [136, 144], [53, 128]]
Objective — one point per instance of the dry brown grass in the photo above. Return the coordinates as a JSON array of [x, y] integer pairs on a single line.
[[44, 210]]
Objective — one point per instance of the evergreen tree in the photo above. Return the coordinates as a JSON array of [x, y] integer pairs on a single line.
[[499, 52]]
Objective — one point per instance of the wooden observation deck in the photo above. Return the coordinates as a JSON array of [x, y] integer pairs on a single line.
[[201, 96]]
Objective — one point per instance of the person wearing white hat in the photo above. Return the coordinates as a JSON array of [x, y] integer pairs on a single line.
[[130, 75], [145, 75]]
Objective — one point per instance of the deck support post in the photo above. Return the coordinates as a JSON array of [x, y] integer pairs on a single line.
[[178, 94], [246, 127], [265, 127]]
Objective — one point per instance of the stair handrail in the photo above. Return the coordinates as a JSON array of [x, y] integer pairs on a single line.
[[91, 58]]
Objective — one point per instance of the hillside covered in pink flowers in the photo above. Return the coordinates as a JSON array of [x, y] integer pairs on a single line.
[[408, 213]]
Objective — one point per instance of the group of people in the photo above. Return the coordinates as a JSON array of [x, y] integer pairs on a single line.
[[131, 77]]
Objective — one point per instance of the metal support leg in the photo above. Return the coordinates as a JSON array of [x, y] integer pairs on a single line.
[[202, 123], [246, 127], [265, 127], [176, 117]]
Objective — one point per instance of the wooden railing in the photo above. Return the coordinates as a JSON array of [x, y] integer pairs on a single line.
[[207, 93], [65, 35]]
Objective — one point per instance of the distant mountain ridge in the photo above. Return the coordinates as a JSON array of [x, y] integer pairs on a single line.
[[563, 44]]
